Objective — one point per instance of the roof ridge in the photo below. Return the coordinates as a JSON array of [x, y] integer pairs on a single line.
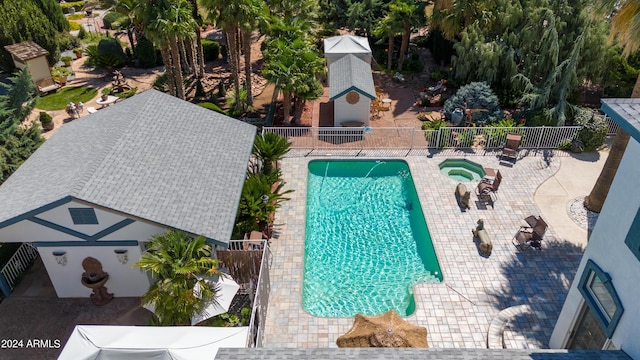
[[77, 186]]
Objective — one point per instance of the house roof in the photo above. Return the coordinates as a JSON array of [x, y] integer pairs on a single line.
[[626, 113], [26, 50], [152, 156], [346, 44], [350, 73]]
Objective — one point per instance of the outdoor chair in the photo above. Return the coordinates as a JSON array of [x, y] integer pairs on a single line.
[[510, 149], [532, 234], [253, 241], [486, 188]]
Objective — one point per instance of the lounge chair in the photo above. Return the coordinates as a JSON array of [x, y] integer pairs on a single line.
[[510, 149], [486, 188], [533, 234], [253, 241]]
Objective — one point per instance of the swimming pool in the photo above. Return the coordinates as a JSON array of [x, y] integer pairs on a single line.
[[366, 240]]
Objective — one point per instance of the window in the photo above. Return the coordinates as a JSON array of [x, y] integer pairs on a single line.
[[633, 236], [83, 216], [596, 288]]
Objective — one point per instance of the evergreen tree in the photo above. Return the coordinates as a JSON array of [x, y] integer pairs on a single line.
[[17, 142]]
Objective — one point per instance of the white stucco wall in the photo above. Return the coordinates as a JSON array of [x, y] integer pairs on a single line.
[[29, 231], [343, 111], [124, 281], [607, 249]]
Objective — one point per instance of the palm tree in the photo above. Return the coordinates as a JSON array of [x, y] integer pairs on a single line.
[[254, 13], [270, 148], [624, 28], [178, 263], [453, 16], [391, 26], [412, 15]]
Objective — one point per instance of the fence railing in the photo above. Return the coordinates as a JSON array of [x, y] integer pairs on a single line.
[[16, 266], [478, 138], [241, 262]]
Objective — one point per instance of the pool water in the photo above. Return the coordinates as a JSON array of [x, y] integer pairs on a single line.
[[366, 242]]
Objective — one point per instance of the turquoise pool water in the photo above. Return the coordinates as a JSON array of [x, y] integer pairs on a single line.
[[462, 169], [366, 241]]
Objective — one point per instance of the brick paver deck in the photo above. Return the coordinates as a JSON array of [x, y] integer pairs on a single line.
[[457, 312]]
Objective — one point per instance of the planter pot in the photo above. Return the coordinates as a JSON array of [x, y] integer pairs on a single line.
[[78, 55], [48, 126], [104, 97], [67, 62]]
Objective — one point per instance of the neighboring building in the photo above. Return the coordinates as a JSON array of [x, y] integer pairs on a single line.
[[102, 185], [351, 89], [28, 53], [350, 80], [602, 309], [339, 46]]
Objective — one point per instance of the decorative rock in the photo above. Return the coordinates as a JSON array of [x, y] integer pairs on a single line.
[[484, 241], [463, 196]]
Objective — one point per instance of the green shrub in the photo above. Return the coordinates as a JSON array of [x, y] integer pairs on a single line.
[[212, 106], [76, 16], [82, 33], [433, 125], [68, 42], [110, 53], [74, 25], [412, 65], [476, 95], [565, 144], [540, 117], [77, 5], [593, 129], [211, 49], [112, 17], [145, 53], [44, 118]]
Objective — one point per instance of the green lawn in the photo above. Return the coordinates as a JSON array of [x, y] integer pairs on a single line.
[[60, 99]]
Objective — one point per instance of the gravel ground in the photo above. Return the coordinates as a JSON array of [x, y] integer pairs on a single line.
[[586, 219]]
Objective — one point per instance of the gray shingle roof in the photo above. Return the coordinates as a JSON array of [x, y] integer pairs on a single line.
[[413, 353], [152, 156], [350, 73], [625, 112], [346, 44]]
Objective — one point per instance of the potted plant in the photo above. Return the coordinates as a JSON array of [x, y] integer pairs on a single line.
[[66, 60], [78, 52], [46, 121], [60, 74]]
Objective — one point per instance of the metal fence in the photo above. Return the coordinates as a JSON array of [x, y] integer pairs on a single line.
[[477, 138], [17, 264]]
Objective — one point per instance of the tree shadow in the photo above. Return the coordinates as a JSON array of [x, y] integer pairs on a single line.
[[541, 279]]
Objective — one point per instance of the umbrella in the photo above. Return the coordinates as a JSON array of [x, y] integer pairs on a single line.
[[386, 330], [226, 289]]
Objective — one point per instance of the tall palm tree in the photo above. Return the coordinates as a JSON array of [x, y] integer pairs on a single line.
[[391, 25], [625, 27], [412, 14], [178, 263], [254, 13], [453, 16]]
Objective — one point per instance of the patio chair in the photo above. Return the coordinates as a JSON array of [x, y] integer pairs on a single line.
[[510, 149], [486, 188], [253, 241], [533, 234]]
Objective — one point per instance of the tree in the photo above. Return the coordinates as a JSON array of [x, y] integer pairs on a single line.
[[391, 25], [17, 141], [40, 21], [178, 263], [412, 15], [270, 148], [624, 28], [255, 12]]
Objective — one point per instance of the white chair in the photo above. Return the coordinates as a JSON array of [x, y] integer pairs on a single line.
[[91, 110]]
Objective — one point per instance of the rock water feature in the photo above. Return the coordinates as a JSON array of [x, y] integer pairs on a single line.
[[94, 278]]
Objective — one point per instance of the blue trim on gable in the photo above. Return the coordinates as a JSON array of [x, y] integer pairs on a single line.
[[353, 88], [35, 212], [620, 120], [633, 236], [91, 238], [609, 326], [85, 243]]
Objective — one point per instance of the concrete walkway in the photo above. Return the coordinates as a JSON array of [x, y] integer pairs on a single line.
[[576, 177]]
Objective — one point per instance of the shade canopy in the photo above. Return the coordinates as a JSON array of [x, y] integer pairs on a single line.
[[226, 289], [96, 342], [386, 330]]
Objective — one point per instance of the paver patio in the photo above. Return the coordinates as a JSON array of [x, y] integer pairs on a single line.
[[458, 311]]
